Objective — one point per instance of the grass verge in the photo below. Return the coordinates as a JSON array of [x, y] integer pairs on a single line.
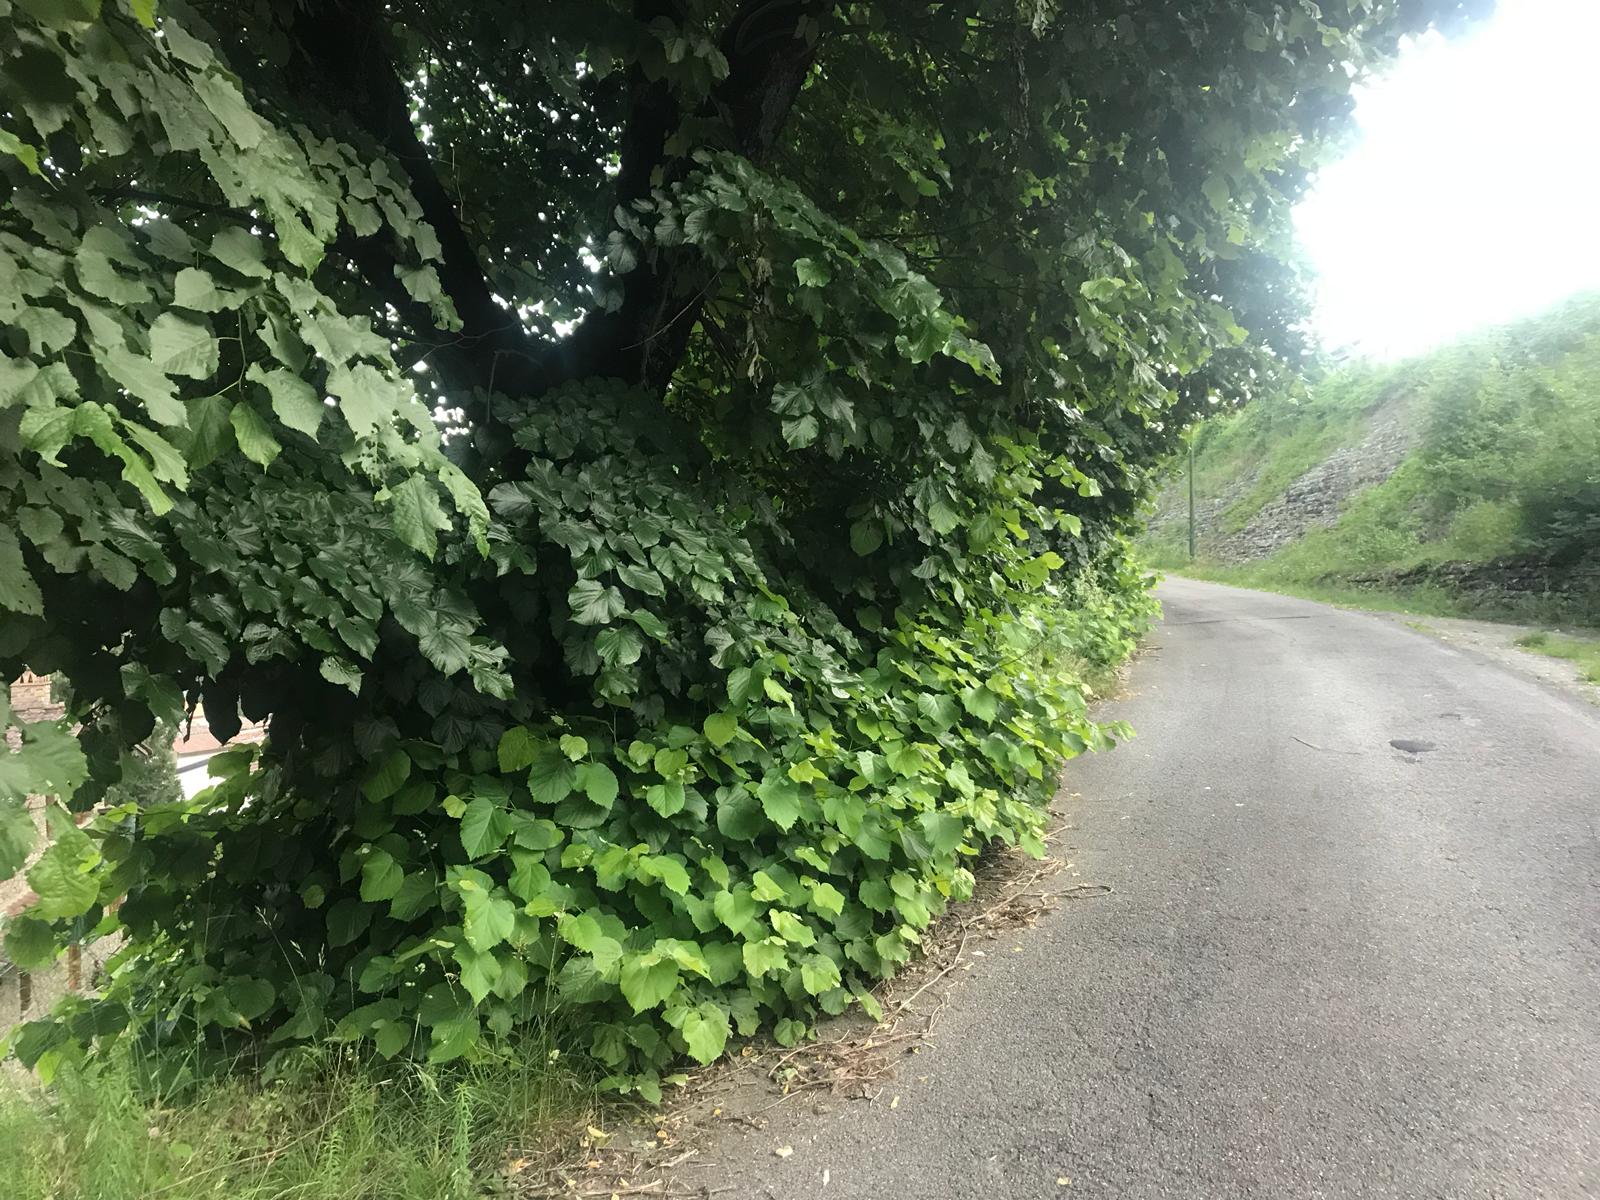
[[328, 1127], [1583, 651], [1428, 600], [1420, 601]]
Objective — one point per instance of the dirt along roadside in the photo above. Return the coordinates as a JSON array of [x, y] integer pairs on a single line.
[[1497, 642]]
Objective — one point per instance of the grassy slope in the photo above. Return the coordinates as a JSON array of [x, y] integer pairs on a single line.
[[1508, 443]]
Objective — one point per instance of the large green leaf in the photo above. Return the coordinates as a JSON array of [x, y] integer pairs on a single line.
[[17, 835], [18, 591], [647, 980], [253, 434], [592, 603], [294, 401], [179, 346], [64, 877], [418, 515], [484, 827], [705, 1031]]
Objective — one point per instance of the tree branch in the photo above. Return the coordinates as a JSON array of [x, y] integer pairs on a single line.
[[769, 58], [344, 52]]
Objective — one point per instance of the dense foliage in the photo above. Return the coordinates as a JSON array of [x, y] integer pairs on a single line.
[[650, 461], [1501, 433]]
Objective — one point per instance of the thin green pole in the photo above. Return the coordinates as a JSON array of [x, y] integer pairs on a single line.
[[1191, 501]]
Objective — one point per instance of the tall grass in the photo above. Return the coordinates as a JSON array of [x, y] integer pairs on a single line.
[[329, 1126]]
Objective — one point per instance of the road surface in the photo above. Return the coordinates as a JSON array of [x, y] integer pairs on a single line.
[[1330, 967]]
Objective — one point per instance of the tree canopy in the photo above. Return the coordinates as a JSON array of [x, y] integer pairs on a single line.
[[649, 461]]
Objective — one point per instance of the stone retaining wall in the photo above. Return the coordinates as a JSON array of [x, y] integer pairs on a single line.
[[1505, 579]]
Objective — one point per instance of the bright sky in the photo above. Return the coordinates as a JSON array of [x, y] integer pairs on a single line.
[[1472, 193]]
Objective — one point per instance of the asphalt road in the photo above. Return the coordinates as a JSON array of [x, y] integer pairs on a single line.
[[1329, 967]]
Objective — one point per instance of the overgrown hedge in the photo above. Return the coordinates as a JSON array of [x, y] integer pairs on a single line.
[[659, 468]]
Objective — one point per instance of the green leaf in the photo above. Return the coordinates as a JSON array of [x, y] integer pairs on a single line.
[[780, 800], [17, 835], [294, 401], [484, 827], [417, 514], [800, 431], [518, 748], [811, 273], [18, 591], [668, 799], [11, 144], [866, 535], [647, 980], [591, 603], [418, 893], [367, 397], [739, 817], [47, 330], [768, 956], [63, 877], [535, 833], [480, 971], [574, 747], [705, 1031], [584, 932], [166, 463], [144, 380], [390, 1037], [981, 703], [641, 579], [720, 728], [195, 289], [250, 996], [46, 430], [381, 876], [455, 1037], [619, 646], [210, 431], [551, 777], [826, 898], [672, 874], [529, 878], [743, 685], [819, 973], [385, 775], [943, 831], [445, 645], [179, 346], [598, 782], [490, 919], [242, 251], [339, 671], [62, 14], [30, 943], [255, 440], [791, 928]]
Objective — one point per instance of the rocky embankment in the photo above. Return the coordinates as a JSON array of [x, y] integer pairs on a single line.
[[1314, 499]]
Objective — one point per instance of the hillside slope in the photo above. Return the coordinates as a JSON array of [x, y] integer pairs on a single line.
[[1472, 472]]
